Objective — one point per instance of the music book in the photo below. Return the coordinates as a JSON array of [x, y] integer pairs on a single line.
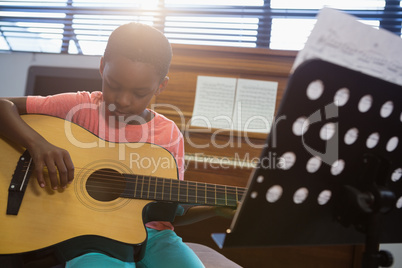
[[341, 39], [234, 104]]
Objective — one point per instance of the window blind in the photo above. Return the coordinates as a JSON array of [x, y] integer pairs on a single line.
[[83, 26]]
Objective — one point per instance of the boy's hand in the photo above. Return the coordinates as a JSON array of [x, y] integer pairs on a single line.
[[57, 161], [43, 153]]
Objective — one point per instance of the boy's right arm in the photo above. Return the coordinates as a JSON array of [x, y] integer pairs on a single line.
[[57, 160]]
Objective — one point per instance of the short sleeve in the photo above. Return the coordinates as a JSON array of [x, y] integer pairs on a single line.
[[57, 105], [81, 108]]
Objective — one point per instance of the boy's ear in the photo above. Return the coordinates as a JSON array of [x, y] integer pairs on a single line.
[[162, 86], [101, 66]]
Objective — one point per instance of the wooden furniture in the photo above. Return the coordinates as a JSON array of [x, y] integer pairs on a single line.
[[225, 157]]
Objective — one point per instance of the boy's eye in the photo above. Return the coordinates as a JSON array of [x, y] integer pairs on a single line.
[[140, 95]]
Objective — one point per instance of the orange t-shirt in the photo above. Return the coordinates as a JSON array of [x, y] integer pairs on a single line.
[[87, 110]]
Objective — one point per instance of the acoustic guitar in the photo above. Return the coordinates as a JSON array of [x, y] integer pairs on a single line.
[[105, 208]]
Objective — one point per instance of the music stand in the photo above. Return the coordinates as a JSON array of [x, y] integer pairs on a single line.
[[331, 171]]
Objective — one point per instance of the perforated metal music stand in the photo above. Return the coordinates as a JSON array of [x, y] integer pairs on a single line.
[[331, 172]]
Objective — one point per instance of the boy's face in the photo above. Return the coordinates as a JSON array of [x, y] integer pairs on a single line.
[[128, 88]]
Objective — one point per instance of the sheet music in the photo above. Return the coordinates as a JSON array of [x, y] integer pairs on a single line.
[[237, 104], [255, 105], [339, 38], [214, 99]]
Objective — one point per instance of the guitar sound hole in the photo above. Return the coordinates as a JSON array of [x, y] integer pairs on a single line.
[[105, 185]]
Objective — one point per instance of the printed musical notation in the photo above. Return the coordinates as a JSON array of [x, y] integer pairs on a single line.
[[235, 104], [341, 39]]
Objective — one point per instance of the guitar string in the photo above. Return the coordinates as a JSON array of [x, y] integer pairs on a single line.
[[227, 199], [188, 198], [100, 183], [192, 185], [114, 177], [152, 191], [185, 199], [159, 196]]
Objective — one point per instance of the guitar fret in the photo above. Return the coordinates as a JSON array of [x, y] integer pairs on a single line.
[[138, 184], [178, 192], [206, 194], [210, 194], [142, 187], [159, 189], [220, 195], [183, 191], [187, 193], [170, 191], [167, 192], [174, 190], [149, 186], [215, 196], [163, 188], [226, 196], [201, 193], [191, 192], [135, 188], [232, 195], [156, 184]]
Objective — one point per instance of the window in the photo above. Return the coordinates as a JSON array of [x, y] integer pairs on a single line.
[[83, 26]]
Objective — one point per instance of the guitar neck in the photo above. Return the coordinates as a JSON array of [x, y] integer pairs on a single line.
[[160, 189]]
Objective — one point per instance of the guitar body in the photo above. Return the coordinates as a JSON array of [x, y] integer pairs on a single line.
[[72, 217]]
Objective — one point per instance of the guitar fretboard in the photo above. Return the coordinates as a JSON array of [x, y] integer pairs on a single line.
[[160, 189]]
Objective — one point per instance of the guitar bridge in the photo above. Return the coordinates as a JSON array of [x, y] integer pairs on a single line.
[[19, 183]]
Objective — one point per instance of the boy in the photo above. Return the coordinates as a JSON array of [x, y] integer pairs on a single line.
[[133, 70]]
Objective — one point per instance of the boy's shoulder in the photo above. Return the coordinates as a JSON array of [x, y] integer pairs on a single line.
[[160, 119]]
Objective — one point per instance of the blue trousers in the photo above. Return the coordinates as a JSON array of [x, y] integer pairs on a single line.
[[163, 249]]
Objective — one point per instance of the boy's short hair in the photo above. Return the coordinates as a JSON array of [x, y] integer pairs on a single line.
[[140, 43]]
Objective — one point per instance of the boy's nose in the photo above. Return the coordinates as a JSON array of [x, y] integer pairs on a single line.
[[122, 100]]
